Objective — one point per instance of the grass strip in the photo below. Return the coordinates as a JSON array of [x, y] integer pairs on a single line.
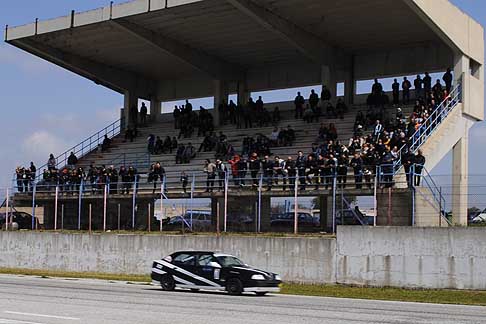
[[442, 296]]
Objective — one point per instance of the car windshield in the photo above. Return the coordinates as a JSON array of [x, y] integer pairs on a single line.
[[229, 261]]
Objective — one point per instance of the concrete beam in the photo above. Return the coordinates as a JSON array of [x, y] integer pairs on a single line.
[[113, 78], [306, 43], [213, 66]]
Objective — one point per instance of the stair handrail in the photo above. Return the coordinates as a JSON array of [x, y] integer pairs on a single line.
[[431, 124], [348, 205], [86, 146]]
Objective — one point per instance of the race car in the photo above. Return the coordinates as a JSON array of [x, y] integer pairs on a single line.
[[204, 270]]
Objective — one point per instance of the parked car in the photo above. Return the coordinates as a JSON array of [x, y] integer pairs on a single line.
[[287, 220], [23, 220], [201, 221], [205, 270]]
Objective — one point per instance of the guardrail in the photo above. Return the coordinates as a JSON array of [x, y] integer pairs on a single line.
[[86, 146]]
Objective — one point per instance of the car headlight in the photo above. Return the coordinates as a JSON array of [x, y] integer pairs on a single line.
[[277, 277], [257, 277]]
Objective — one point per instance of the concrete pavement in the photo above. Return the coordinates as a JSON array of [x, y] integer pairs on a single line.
[[30, 300]]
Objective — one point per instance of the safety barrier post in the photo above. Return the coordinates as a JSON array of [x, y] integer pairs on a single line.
[[33, 205], [80, 201], [134, 198], [149, 217], [191, 204], [260, 189], [7, 211], [62, 217], [162, 203], [119, 217], [334, 204], [105, 195], [375, 196], [226, 200], [55, 207], [296, 205], [89, 220]]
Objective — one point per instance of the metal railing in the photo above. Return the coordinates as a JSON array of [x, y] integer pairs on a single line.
[[430, 124], [85, 147]]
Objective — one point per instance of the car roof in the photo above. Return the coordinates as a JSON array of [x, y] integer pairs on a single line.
[[194, 252]]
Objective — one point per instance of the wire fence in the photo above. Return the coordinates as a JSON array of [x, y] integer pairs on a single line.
[[304, 201]]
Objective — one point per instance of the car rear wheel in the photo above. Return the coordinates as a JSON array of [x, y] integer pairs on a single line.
[[261, 293], [194, 290], [167, 282], [234, 286]]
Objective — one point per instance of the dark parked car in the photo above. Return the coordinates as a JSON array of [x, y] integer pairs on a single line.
[[24, 220], [212, 271], [287, 220]]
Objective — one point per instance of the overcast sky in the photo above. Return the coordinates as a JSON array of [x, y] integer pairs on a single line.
[[47, 109]]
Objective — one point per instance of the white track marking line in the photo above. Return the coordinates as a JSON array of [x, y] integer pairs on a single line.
[[43, 315], [10, 321]]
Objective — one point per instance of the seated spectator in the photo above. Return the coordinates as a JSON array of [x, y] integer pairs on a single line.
[[159, 146], [106, 144], [323, 132], [180, 154], [274, 136], [151, 144], [189, 153], [276, 115], [332, 132], [341, 108], [72, 160], [330, 111]]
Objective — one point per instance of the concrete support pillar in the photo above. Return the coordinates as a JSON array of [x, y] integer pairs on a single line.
[[155, 109], [328, 79], [243, 93], [349, 83], [130, 109], [220, 96], [323, 214], [460, 181]]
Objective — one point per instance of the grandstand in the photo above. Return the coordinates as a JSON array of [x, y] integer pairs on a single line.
[[165, 50]]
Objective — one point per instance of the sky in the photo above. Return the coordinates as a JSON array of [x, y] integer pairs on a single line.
[[47, 109]]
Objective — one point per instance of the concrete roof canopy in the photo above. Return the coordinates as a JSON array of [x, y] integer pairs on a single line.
[[158, 46]]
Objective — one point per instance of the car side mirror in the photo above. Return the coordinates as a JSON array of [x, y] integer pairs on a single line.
[[215, 265]]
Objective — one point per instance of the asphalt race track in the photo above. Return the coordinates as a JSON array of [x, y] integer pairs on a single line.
[[29, 300]]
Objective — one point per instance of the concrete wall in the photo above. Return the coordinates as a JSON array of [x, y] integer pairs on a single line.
[[412, 257], [296, 259], [382, 256]]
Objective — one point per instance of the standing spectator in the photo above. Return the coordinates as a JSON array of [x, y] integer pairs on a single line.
[[406, 85], [242, 169], [300, 164], [32, 175], [448, 80], [267, 167], [299, 106], [72, 160], [376, 89], [313, 100], [377, 131], [151, 144], [184, 180], [427, 81], [395, 91], [234, 165], [254, 168], [325, 96], [143, 114], [290, 172], [221, 170], [418, 82], [133, 116], [279, 170], [437, 91], [51, 163], [419, 162], [357, 165], [210, 170]]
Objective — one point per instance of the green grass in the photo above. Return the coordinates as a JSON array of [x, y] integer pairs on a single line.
[[444, 296]]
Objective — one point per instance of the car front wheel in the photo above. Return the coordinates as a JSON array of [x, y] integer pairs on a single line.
[[261, 293], [234, 286], [167, 283]]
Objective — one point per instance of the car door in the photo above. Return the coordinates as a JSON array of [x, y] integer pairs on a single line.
[[184, 269], [208, 267]]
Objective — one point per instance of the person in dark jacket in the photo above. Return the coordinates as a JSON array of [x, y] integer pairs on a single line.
[[299, 102], [419, 162], [267, 167], [357, 165], [300, 164], [448, 80], [395, 91], [72, 160]]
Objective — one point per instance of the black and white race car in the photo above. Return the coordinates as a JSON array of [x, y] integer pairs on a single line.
[[197, 270]]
